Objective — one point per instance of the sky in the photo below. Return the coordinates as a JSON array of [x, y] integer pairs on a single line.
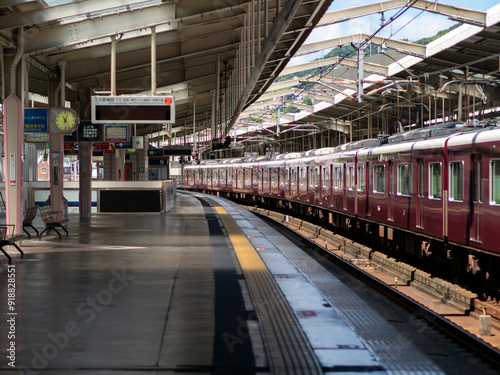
[[412, 25]]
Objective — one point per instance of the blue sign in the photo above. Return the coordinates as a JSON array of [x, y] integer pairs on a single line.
[[35, 120]]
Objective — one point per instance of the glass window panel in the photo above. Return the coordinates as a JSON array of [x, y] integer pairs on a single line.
[[435, 189], [379, 179], [404, 179], [457, 181], [361, 178], [495, 182], [338, 178], [326, 177]]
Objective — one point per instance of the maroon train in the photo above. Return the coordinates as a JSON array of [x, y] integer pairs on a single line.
[[428, 191]]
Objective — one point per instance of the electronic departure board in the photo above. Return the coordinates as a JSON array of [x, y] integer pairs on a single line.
[[133, 109]]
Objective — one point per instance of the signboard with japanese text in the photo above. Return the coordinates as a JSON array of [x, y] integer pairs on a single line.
[[37, 137], [116, 133], [133, 109], [35, 120], [87, 132]]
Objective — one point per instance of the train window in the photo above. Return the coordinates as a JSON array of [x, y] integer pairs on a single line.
[[457, 181], [294, 176], [361, 178], [404, 179], [349, 178], [326, 178], [230, 176], [274, 178], [435, 189], [239, 178], [338, 178], [495, 182], [266, 178], [282, 176], [379, 179], [215, 177], [248, 175], [255, 174], [303, 176]]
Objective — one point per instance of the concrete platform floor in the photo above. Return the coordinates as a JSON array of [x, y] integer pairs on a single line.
[[124, 293]]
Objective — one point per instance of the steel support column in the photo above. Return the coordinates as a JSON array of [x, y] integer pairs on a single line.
[[153, 60], [282, 22]]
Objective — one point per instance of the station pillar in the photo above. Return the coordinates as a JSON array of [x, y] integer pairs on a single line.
[[85, 179], [13, 108], [120, 165], [143, 163], [56, 146], [56, 152]]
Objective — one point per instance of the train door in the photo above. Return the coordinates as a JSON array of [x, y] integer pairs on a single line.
[[312, 184], [318, 194], [390, 195], [281, 181], [347, 178], [476, 198], [420, 193], [294, 186], [368, 190], [287, 182], [307, 182]]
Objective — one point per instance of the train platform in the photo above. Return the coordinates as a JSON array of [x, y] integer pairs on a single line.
[[207, 288]]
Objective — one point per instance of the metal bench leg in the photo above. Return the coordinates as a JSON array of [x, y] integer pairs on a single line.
[[47, 229], [64, 229], [18, 248], [59, 234], [7, 255], [36, 230], [25, 231]]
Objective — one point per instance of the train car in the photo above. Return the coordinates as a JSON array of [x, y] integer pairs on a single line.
[[427, 191]]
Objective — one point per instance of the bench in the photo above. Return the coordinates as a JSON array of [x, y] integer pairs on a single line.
[[29, 216], [7, 237], [52, 220]]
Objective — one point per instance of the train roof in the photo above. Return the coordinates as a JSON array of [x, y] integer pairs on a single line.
[[432, 137]]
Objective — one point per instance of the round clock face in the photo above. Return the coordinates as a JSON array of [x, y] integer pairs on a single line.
[[65, 120]]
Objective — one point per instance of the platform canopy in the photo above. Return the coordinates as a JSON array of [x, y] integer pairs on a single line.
[[403, 84], [214, 57], [225, 63]]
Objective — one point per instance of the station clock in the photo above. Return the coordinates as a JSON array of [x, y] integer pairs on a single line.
[[63, 120]]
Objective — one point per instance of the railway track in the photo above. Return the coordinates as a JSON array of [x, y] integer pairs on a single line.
[[449, 309]]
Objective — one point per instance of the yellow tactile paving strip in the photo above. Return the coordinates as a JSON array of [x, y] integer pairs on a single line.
[[287, 347]]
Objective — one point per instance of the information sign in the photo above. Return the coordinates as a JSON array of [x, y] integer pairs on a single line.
[[116, 133], [133, 109], [35, 120]]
